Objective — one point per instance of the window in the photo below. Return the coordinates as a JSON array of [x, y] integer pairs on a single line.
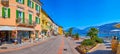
[[5, 12], [37, 20], [37, 7], [30, 4], [20, 15], [20, 1], [30, 18]]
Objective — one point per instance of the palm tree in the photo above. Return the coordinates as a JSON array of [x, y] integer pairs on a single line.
[[93, 32]]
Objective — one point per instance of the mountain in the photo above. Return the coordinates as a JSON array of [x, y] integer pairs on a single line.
[[104, 30], [76, 30]]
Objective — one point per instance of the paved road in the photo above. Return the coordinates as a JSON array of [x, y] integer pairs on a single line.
[[53, 46], [49, 47]]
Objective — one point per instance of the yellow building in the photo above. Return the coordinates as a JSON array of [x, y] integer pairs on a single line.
[[46, 24], [60, 30]]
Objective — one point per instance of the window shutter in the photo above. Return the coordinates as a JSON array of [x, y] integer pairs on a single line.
[[32, 4], [39, 20], [36, 19], [35, 6], [30, 19], [39, 8], [8, 12], [16, 0], [17, 14], [23, 1], [28, 2], [3, 13], [23, 17]]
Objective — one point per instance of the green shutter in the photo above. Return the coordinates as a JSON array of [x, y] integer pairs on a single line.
[[3, 13], [16, 0], [39, 20], [36, 19], [17, 14], [32, 4], [23, 17], [36, 6], [30, 19], [8, 12], [28, 2], [23, 1], [39, 8]]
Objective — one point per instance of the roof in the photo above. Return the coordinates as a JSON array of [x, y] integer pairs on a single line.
[[38, 2]]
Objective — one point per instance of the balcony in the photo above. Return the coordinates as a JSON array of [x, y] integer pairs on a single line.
[[37, 13], [28, 23], [19, 21], [5, 3]]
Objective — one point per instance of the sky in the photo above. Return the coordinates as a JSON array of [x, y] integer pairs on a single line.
[[82, 13]]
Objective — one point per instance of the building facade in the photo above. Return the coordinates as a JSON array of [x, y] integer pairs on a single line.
[[19, 20], [46, 24], [60, 30]]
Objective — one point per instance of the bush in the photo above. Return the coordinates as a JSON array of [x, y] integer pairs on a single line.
[[98, 40], [88, 42], [76, 35]]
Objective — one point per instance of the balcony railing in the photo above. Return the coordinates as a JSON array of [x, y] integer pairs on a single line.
[[38, 13], [28, 23], [19, 21], [5, 3]]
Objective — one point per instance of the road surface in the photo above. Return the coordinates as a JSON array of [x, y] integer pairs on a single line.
[[58, 45]]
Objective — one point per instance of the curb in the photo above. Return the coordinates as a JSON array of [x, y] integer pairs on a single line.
[[23, 47], [94, 48]]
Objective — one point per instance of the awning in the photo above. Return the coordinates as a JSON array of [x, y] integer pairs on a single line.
[[24, 28], [6, 28], [10, 28]]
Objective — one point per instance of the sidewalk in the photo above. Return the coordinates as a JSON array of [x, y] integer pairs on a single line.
[[12, 47], [104, 48], [71, 44]]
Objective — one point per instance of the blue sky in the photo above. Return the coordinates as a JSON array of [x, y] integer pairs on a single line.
[[82, 13]]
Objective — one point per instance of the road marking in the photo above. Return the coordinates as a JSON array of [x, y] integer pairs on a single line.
[[60, 51]]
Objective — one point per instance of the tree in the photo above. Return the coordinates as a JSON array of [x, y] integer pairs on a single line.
[[76, 35], [93, 32], [70, 31]]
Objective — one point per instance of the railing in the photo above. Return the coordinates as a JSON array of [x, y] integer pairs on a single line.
[[38, 13], [19, 21], [5, 2], [28, 23]]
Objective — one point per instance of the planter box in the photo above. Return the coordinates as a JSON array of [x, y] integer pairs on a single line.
[[76, 38], [81, 50]]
